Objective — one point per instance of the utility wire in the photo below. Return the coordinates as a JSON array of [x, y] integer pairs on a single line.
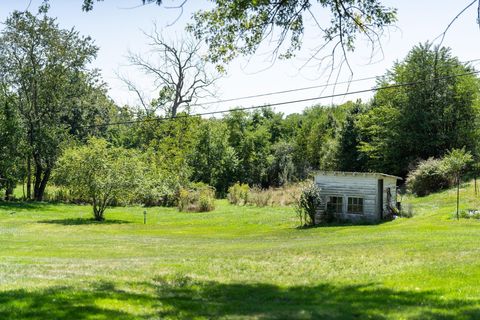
[[399, 85], [295, 89]]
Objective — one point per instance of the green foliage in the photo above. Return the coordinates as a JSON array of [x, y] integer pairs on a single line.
[[10, 143], [456, 160], [238, 194], [420, 121], [233, 28], [282, 169], [100, 173], [198, 198], [429, 176], [45, 69], [308, 202], [213, 160]]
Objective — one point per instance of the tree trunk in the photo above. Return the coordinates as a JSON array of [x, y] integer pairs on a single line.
[[29, 178], [41, 180], [9, 191], [97, 210], [43, 184]]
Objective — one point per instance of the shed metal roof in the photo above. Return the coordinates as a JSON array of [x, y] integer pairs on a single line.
[[361, 174]]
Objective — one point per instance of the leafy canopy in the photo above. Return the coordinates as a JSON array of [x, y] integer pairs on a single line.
[[100, 173]]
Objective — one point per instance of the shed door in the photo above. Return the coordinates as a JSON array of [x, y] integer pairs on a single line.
[[380, 198]]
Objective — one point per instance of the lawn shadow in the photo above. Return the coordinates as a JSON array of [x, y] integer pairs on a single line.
[[188, 298], [180, 297], [82, 221], [22, 205]]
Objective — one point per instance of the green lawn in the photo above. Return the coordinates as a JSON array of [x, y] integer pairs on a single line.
[[237, 263]]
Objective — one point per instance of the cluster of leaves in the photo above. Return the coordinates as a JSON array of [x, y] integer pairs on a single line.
[[101, 173], [238, 194], [48, 96], [309, 201], [432, 175], [198, 198]]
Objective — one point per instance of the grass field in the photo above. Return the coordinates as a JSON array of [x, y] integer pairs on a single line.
[[237, 263]]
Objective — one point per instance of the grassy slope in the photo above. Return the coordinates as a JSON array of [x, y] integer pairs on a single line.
[[236, 263]]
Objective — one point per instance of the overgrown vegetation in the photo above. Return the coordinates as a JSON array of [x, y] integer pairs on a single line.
[[308, 203], [197, 198]]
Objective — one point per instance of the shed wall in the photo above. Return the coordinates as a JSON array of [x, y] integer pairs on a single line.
[[351, 186], [364, 186]]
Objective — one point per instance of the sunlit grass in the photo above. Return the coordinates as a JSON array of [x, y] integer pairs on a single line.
[[237, 262]]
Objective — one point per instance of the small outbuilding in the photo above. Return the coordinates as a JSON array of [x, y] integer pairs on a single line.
[[357, 196]]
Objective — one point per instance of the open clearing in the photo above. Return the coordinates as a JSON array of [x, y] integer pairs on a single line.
[[236, 263]]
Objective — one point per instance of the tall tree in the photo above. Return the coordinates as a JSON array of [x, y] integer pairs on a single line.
[[43, 66], [213, 160], [432, 115], [179, 74], [10, 142]]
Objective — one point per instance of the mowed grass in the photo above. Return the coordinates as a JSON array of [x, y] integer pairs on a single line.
[[237, 263]]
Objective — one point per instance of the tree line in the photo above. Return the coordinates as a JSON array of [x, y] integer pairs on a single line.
[[51, 102]]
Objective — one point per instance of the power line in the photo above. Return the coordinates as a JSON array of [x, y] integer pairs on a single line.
[[283, 91], [297, 89], [393, 86]]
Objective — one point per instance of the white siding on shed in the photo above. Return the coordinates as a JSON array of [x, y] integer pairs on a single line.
[[358, 185]]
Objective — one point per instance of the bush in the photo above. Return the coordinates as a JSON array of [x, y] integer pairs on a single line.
[[259, 197], [198, 198], [308, 203], [429, 176], [238, 194]]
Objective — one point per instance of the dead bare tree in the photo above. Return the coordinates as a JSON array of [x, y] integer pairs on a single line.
[[178, 71]]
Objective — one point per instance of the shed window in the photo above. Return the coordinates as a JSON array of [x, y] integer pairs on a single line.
[[335, 205], [355, 205]]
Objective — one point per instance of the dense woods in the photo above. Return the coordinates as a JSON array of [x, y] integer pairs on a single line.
[[52, 104]]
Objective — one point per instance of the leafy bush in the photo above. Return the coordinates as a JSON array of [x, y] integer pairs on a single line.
[[198, 198], [238, 194], [259, 197], [429, 176], [308, 203], [101, 173]]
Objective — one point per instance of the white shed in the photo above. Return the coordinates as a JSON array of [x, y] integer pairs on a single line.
[[357, 196]]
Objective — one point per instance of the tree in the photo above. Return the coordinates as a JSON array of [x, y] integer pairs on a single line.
[[455, 161], [349, 158], [101, 173], [239, 27], [10, 143], [44, 67], [180, 74], [213, 160], [432, 115]]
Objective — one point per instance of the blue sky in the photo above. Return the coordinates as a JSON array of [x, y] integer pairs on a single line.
[[116, 26]]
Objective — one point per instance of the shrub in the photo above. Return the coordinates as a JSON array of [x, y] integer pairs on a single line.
[[429, 176], [238, 194], [197, 198], [259, 197], [308, 203], [103, 174]]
